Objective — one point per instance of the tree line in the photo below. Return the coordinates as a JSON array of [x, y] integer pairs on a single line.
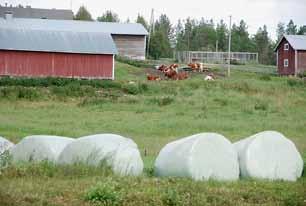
[[203, 35]]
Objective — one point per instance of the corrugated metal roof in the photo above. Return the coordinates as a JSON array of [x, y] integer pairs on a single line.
[[28, 12], [298, 42], [73, 25], [57, 41]]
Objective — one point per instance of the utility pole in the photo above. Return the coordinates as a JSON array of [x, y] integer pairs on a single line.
[[71, 4], [229, 47], [151, 31], [217, 42]]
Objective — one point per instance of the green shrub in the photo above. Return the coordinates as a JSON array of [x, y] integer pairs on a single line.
[[19, 93], [143, 87], [131, 89], [259, 105], [221, 101], [103, 194], [237, 62], [59, 82], [265, 77], [162, 101], [171, 198], [302, 74], [73, 90], [136, 63], [296, 82]]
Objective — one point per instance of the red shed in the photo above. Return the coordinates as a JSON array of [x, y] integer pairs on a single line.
[[42, 53], [291, 54]]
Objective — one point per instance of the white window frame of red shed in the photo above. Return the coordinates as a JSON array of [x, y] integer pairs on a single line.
[[286, 47], [286, 62]]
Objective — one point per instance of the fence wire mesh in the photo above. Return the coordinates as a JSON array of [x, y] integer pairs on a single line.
[[215, 57]]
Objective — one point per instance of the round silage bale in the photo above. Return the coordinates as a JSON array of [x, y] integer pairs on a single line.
[[200, 157], [118, 152], [5, 145], [269, 155], [39, 148]]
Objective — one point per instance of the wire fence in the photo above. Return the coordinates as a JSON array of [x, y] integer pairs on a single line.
[[215, 57]]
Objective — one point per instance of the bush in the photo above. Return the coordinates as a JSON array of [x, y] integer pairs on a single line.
[[302, 74], [296, 82], [162, 101], [59, 82], [131, 89], [261, 106], [221, 101], [171, 198], [19, 93], [237, 62], [103, 194], [265, 77], [73, 90], [136, 63]]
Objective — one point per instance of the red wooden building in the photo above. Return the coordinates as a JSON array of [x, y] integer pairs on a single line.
[[37, 53], [291, 55]]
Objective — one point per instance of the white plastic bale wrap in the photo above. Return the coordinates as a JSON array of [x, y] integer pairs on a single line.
[[200, 157], [118, 152], [5, 145], [39, 147], [269, 155]]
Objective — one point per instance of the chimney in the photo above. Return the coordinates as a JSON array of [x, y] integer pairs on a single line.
[[8, 15]]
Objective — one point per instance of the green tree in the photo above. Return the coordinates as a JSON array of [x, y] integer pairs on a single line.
[[241, 41], [221, 32], [280, 31], [141, 20], [83, 14], [291, 28], [109, 16], [264, 46], [302, 30], [161, 37]]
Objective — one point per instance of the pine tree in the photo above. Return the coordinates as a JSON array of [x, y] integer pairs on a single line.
[[141, 20], [83, 14], [302, 30], [291, 28], [221, 32], [109, 16], [280, 31]]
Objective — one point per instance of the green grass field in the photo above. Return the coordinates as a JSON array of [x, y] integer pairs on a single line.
[[152, 114]]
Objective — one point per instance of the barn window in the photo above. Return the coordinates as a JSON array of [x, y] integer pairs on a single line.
[[286, 62], [286, 48]]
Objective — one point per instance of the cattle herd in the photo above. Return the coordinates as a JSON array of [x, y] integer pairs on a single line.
[[172, 72], [266, 155]]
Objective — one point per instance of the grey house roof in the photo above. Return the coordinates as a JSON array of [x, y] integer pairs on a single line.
[[29, 12], [298, 42], [56, 41], [73, 25]]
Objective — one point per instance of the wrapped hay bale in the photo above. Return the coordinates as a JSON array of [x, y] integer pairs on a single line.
[[118, 152], [39, 147], [269, 155], [200, 157], [5, 145]]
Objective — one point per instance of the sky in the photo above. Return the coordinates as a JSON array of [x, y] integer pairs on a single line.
[[256, 13]]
